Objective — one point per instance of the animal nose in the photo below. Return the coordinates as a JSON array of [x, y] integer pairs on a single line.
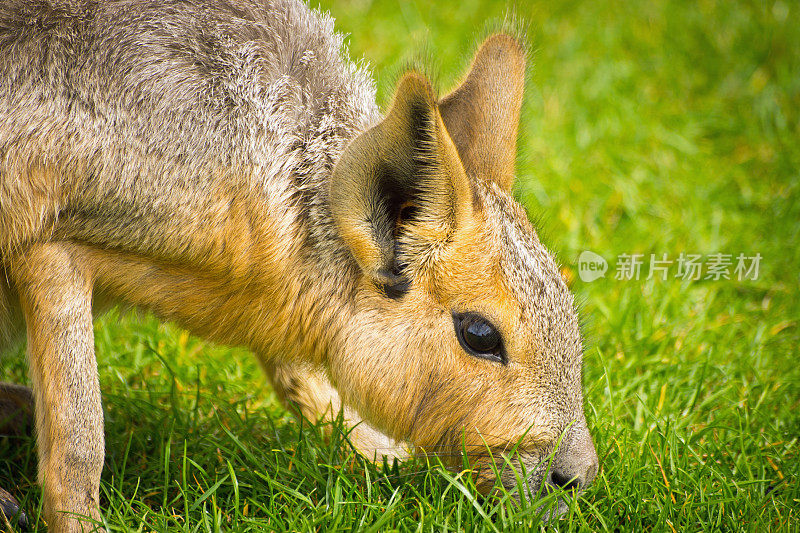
[[576, 464], [566, 481]]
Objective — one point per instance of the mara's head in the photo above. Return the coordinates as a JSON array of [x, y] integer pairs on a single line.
[[465, 336]]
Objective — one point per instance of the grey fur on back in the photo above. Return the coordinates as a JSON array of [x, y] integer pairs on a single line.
[[256, 94]]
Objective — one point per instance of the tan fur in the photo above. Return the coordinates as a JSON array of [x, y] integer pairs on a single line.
[[55, 294], [340, 255], [477, 112], [307, 391]]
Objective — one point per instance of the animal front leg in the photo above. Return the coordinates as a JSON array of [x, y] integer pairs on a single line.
[[307, 391], [55, 290]]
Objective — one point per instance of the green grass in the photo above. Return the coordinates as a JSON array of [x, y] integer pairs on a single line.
[[649, 127]]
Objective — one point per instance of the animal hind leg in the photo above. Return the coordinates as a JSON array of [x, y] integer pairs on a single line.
[[307, 391], [16, 418], [16, 409]]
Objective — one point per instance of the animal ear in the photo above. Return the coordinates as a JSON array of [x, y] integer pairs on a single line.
[[401, 180], [482, 114]]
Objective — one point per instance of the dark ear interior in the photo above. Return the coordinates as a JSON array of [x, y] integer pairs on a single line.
[[395, 195], [400, 174]]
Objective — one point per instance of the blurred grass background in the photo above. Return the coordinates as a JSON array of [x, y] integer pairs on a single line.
[[649, 127]]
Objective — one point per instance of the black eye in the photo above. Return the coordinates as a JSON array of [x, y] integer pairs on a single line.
[[478, 336]]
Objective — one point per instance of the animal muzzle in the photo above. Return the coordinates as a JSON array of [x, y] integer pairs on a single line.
[[575, 462], [568, 470]]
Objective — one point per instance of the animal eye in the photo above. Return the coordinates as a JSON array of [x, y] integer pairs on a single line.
[[478, 337]]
